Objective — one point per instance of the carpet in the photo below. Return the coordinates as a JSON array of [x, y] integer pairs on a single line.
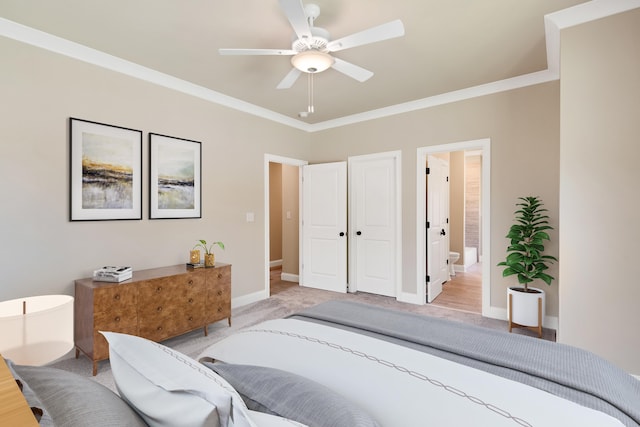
[[280, 305]]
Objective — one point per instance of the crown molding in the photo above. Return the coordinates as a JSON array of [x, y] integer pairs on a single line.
[[554, 23]]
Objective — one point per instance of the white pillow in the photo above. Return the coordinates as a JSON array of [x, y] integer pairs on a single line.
[[168, 388]]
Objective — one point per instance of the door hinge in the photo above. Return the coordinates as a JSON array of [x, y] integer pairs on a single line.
[[447, 262], [447, 220], [447, 179], [428, 225], [428, 278], [427, 171]]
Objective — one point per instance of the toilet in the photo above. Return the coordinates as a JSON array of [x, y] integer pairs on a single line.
[[453, 258]]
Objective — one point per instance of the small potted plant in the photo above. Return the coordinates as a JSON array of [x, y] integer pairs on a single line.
[[526, 260], [209, 257]]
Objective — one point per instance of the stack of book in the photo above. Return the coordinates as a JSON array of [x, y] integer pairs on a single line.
[[195, 265], [112, 274]]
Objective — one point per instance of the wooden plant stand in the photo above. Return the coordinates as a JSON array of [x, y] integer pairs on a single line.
[[537, 329]]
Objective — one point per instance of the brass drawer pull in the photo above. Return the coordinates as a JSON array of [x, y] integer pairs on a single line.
[[191, 282], [219, 309], [159, 328], [116, 297], [190, 318], [190, 300], [219, 275], [159, 308], [117, 319], [219, 292], [159, 288]]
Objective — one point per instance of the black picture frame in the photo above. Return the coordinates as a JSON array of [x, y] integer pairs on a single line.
[[175, 177], [105, 172]]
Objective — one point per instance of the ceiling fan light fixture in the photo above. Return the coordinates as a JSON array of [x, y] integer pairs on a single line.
[[312, 61]]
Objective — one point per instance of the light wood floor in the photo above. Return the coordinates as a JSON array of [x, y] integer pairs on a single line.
[[463, 292]]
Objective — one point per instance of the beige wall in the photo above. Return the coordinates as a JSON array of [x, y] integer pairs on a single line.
[[42, 252], [600, 149], [275, 211], [456, 204], [473, 202], [290, 219], [524, 129], [42, 90]]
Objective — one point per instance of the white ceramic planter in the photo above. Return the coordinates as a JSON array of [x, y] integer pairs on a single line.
[[525, 305]]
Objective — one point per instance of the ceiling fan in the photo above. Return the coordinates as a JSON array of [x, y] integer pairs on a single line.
[[312, 46]]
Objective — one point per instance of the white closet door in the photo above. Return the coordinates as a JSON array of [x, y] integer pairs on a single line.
[[324, 226]]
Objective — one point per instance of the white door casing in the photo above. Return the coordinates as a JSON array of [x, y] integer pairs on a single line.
[[437, 225], [324, 226], [374, 230]]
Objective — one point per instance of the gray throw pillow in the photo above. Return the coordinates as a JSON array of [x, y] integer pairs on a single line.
[[75, 401], [291, 396]]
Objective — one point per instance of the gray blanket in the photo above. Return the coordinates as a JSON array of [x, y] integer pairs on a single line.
[[565, 371]]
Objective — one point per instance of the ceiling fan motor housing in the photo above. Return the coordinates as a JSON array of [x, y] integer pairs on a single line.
[[319, 40]]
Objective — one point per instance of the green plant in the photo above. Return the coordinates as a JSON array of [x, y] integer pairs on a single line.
[[525, 252], [207, 249]]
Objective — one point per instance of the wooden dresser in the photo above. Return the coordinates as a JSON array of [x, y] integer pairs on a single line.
[[156, 304]]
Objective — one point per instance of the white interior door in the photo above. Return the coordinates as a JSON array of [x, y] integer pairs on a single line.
[[437, 225], [324, 226], [373, 226]]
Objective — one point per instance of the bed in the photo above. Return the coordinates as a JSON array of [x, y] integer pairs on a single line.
[[408, 369], [344, 364]]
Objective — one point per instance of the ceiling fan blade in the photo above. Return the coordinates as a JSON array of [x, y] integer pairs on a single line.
[[352, 70], [289, 79], [256, 52], [294, 10], [375, 34]]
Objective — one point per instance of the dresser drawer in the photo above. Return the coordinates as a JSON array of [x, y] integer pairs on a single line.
[[218, 302], [162, 319], [111, 298], [167, 290], [220, 275], [121, 319], [116, 319], [159, 328]]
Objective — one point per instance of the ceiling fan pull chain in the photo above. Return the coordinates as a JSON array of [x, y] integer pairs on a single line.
[[311, 92]]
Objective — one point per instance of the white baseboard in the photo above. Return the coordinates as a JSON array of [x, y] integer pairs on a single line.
[[288, 277], [410, 298], [550, 322], [275, 263], [248, 299]]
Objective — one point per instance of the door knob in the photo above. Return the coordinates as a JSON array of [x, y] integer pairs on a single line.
[[359, 233], [442, 233], [341, 233]]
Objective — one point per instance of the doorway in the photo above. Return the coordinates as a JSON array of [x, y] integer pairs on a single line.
[[282, 220], [464, 272]]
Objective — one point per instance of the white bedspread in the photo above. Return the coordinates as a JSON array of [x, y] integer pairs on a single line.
[[397, 385]]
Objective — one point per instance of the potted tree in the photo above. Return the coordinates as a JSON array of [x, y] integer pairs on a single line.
[[209, 256], [526, 260]]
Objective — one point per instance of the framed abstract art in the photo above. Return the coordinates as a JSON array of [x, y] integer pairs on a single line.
[[105, 171], [175, 188]]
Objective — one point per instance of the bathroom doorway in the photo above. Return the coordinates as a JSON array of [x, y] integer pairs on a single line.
[[467, 285]]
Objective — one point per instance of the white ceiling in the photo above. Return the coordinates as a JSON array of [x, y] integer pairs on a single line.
[[448, 45]]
